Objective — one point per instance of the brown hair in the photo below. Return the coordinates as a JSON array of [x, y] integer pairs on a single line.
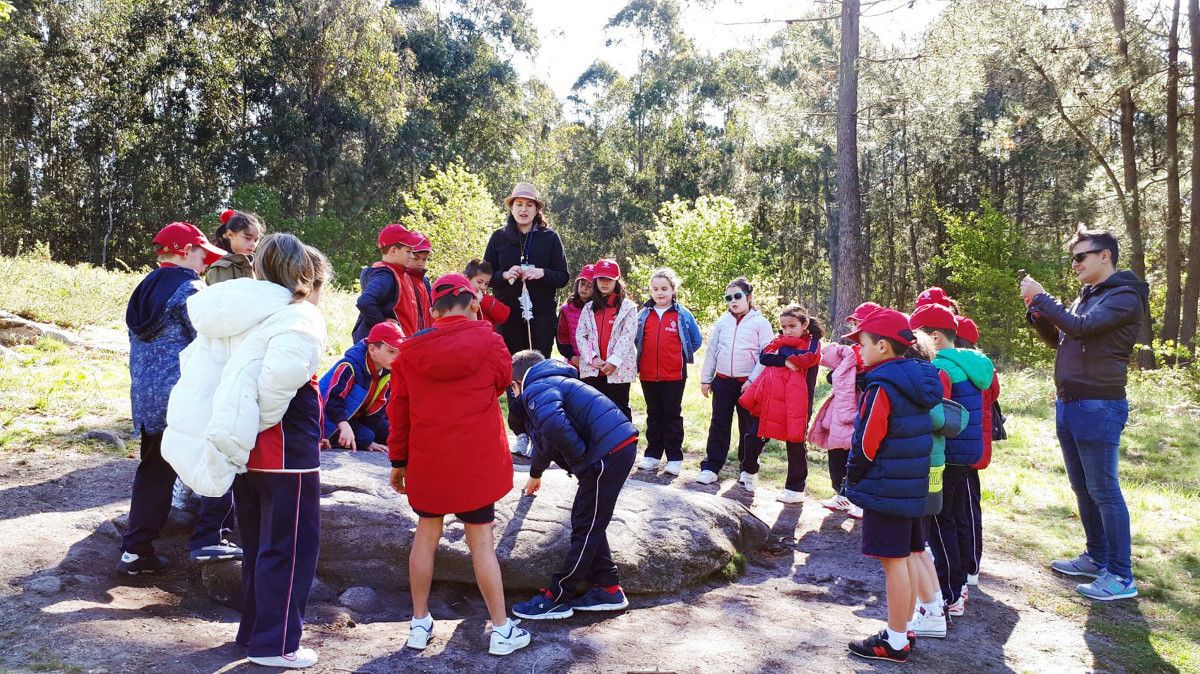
[[744, 284], [671, 277], [285, 260], [235, 221], [476, 267], [801, 314], [619, 292]]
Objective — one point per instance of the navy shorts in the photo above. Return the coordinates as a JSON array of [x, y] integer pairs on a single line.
[[888, 536], [484, 515]]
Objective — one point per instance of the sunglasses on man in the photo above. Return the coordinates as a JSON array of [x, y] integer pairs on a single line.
[[1080, 257], [734, 297]]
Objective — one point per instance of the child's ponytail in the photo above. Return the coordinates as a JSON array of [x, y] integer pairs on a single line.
[[815, 330], [235, 221]]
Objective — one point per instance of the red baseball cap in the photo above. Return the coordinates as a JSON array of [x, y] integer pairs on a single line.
[[885, 323], [933, 316], [397, 235], [968, 330], [587, 273], [934, 295], [387, 332], [606, 268], [863, 310], [172, 239], [422, 245], [458, 283]]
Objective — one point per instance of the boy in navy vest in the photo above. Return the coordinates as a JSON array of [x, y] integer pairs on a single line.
[[355, 391], [159, 329], [387, 294], [577, 427], [888, 469], [969, 373]]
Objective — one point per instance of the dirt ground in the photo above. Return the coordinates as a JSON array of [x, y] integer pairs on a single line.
[[793, 609]]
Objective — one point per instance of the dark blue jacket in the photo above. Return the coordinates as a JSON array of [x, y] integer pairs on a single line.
[[159, 329], [568, 422], [896, 482], [342, 405], [377, 301]]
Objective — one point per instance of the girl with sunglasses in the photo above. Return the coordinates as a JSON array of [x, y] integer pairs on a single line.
[[736, 340]]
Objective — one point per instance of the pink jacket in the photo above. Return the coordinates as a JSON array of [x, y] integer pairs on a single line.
[[833, 425]]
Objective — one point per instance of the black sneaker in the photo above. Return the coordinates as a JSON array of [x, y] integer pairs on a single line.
[[136, 565], [876, 647]]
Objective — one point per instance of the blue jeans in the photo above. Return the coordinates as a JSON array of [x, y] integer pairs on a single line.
[[1089, 432]]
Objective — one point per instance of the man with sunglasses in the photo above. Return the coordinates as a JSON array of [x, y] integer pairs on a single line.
[[1094, 338]]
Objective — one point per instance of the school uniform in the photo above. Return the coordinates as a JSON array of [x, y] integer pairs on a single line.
[[573, 425], [666, 341], [387, 295], [609, 333], [781, 399], [355, 390]]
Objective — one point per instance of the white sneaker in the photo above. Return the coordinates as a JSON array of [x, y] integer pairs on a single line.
[[838, 503], [298, 659], [742, 477], [516, 638], [972, 579], [706, 477], [649, 463], [957, 608], [750, 483], [419, 632], [521, 445], [529, 448], [925, 624], [789, 496], [854, 512], [674, 467]]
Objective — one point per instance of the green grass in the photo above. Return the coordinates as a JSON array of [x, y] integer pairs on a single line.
[[57, 393]]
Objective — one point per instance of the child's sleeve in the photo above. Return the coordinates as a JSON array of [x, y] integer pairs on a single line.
[[696, 339], [556, 430], [290, 361], [398, 420], [340, 385], [503, 374], [372, 299], [873, 415], [494, 310], [810, 357], [584, 333], [709, 370], [623, 346], [564, 337]]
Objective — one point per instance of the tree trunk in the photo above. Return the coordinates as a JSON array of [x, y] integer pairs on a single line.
[[1170, 325], [908, 213], [1191, 287], [847, 274]]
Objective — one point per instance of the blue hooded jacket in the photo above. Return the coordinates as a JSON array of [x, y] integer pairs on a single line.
[[159, 329], [355, 359], [568, 422], [896, 482]]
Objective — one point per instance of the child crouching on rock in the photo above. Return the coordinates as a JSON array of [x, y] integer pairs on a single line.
[[577, 427], [448, 448]]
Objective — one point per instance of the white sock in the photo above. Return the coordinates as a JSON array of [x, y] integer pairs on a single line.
[[506, 629], [933, 608], [427, 621], [897, 640]]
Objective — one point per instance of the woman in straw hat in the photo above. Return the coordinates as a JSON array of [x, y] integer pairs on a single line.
[[527, 255]]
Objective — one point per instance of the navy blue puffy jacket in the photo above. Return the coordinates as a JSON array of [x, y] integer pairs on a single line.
[[569, 422]]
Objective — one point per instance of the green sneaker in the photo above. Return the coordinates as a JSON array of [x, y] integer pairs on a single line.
[[1108, 587]]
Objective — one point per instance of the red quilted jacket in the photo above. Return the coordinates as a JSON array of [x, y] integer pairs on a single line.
[[779, 397]]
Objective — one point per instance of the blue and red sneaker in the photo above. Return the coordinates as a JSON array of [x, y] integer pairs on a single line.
[[543, 607], [876, 647], [601, 599]]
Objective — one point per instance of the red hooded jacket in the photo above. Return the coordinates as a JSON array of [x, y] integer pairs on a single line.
[[445, 417], [779, 396], [990, 395]]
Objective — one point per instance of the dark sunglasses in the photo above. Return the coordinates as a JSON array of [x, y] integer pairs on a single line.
[[1080, 257], [733, 297]]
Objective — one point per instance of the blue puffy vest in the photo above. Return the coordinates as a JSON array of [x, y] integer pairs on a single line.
[[897, 483]]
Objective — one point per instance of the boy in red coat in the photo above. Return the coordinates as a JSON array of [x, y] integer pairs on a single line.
[[780, 392], [448, 448]]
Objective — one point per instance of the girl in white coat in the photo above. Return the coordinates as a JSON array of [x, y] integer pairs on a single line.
[[247, 410], [736, 340], [606, 336]]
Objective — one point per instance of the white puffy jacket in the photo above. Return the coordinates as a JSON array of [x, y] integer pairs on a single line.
[[254, 348], [734, 346]]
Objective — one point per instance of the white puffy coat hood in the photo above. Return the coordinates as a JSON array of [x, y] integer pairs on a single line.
[[254, 348]]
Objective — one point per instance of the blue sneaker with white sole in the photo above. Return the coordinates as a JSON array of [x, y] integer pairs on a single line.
[[216, 552], [1108, 587], [601, 599], [543, 607], [1083, 565]]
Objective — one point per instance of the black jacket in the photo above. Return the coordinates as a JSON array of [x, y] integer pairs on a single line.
[[1094, 337], [568, 422], [543, 249]]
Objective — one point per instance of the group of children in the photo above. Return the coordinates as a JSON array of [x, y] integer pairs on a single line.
[[906, 437]]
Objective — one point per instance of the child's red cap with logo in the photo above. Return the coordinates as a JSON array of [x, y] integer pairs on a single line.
[[397, 235], [588, 273], [387, 332], [458, 284], [934, 295], [885, 323], [422, 245], [175, 237], [863, 310], [606, 268], [933, 317], [968, 330]]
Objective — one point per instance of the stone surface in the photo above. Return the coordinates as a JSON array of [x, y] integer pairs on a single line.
[[222, 581], [662, 539], [16, 330], [44, 585], [107, 437], [360, 599], [321, 591]]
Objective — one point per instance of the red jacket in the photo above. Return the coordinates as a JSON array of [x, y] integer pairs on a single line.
[[422, 302], [405, 308], [494, 311], [779, 396], [662, 350], [445, 416], [990, 395]]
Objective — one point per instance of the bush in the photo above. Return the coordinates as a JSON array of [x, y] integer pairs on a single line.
[[454, 209]]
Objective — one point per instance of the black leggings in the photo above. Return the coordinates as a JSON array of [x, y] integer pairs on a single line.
[[797, 472], [837, 468], [516, 334]]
